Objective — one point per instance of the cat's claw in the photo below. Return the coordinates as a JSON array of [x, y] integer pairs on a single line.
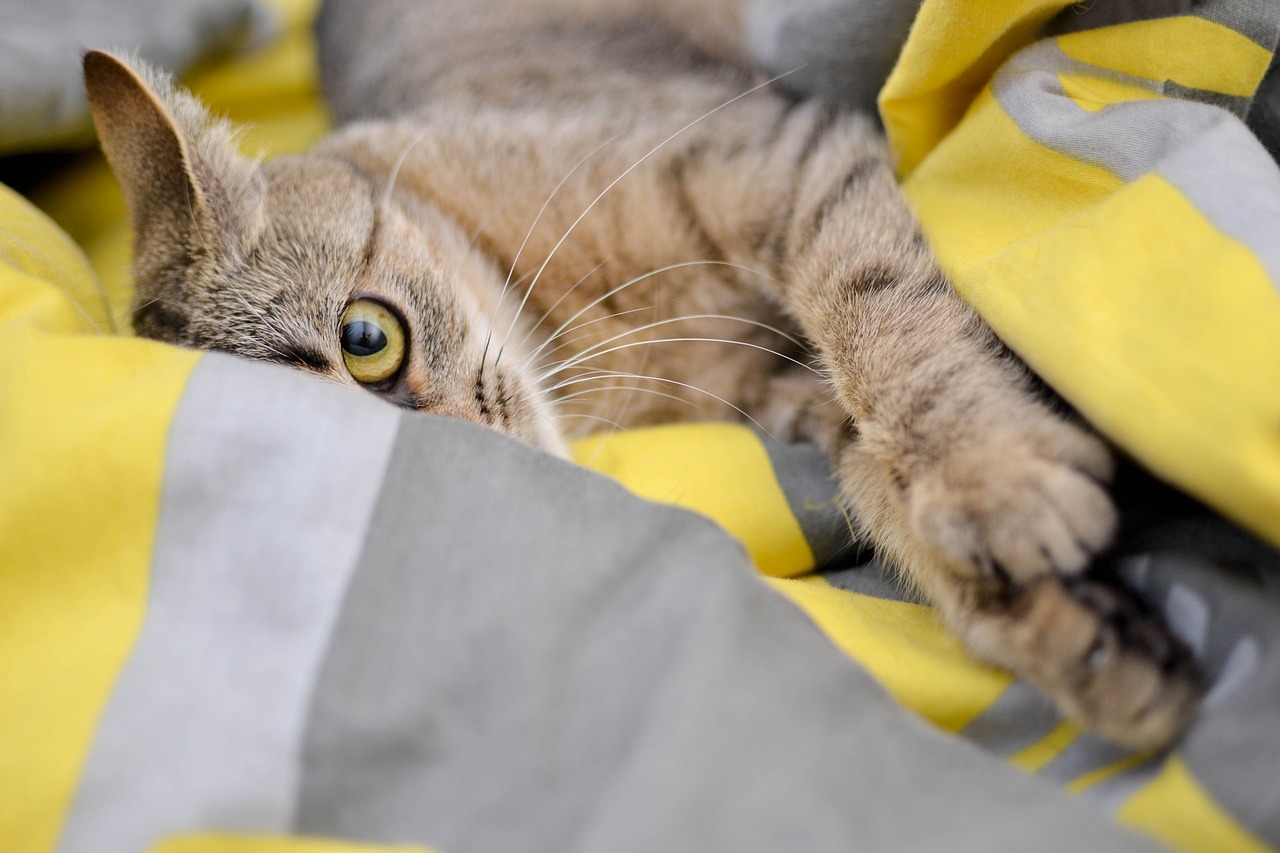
[[1090, 647], [1015, 508]]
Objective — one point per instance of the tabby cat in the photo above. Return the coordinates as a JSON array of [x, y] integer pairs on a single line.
[[545, 215]]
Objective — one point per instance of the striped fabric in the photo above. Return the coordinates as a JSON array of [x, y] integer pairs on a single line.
[[1098, 199], [244, 611]]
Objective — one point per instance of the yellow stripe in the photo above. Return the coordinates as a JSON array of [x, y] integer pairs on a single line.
[[81, 454], [1088, 780], [904, 648], [1131, 304], [1174, 809], [1190, 51], [952, 51], [719, 470], [1093, 93], [222, 843], [1039, 754]]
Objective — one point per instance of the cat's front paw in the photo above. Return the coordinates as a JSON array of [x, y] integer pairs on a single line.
[[1017, 502], [1107, 664]]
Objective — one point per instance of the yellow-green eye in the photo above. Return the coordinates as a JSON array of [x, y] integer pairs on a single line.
[[372, 342]]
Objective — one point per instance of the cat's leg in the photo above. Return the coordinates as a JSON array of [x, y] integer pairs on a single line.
[[1086, 644], [988, 501]]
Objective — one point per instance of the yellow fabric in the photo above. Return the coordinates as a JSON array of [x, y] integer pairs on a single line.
[[1039, 754], [81, 454], [904, 647], [221, 843], [953, 50], [1186, 50], [1162, 329], [1174, 809], [719, 470], [85, 415], [1125, 297]]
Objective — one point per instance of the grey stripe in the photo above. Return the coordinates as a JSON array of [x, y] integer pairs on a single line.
[[804, 475], [270, 478], [1206, 152], [1253, 19], [1234, 748], [1086, 754], [876, 579], [529, 658], [1020, 718]]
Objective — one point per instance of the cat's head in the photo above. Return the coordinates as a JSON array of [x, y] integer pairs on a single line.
[[306, 261]]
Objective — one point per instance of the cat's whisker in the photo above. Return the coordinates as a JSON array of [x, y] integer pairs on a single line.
[[631, 169], [568, 342], [593, 352], [554, 306], [613, 424], [576, 395], [515, 260], [621, 287], [620, 374], [399, 164], [488, 338]]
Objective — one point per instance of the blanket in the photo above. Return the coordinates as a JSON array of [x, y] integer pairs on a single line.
[[244, 610]]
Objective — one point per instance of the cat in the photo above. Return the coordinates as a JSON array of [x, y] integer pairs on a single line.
[[548, 215]]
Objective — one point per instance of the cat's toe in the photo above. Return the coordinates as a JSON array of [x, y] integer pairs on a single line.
[[1092, 648], [1017, 509]]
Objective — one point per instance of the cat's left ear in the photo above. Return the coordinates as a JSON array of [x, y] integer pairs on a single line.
[[191, 195]]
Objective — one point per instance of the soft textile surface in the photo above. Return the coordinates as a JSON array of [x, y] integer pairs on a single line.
[[42, 100], [244, 610], [1097, 197]]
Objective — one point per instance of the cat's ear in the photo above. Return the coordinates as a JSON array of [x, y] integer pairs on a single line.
[[190, 193]]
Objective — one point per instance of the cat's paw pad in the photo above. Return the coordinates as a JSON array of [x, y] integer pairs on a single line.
[[1090, 647], [1017, 507]]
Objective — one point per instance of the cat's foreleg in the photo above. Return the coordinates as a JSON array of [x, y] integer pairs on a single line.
[[988, 501]]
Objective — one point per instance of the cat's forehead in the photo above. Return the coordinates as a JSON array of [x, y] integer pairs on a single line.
[[321, 203]]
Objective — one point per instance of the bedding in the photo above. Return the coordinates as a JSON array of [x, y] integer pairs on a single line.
[[244, 610]]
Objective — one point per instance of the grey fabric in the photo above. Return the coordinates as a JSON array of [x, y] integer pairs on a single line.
[[805, 479], [42, 100], [1208, 153], [1020, 718], [840, 49], [269, 484], [1264, 116], [1234, 747], [626, 684]]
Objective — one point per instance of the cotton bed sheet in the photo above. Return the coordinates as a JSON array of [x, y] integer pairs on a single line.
[[245, 610]]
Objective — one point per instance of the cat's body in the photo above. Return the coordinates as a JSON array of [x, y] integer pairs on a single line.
[[617, 170]]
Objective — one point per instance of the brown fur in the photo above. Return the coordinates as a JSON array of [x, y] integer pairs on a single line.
[[479, 139]]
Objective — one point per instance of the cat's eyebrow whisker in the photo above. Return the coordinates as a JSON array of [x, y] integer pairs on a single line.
[[399, 164], [506, 285], [631, 169], [621, 287], [624, 375]]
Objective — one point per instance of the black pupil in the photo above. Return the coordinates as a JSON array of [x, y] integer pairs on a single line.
[[361, 338]]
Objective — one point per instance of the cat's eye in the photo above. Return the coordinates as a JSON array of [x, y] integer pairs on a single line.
[[373, 343]]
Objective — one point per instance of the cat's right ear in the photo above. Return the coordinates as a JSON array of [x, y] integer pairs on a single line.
[[190, 193]]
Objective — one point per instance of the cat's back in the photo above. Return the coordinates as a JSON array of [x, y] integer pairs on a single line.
[[385, 58]]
